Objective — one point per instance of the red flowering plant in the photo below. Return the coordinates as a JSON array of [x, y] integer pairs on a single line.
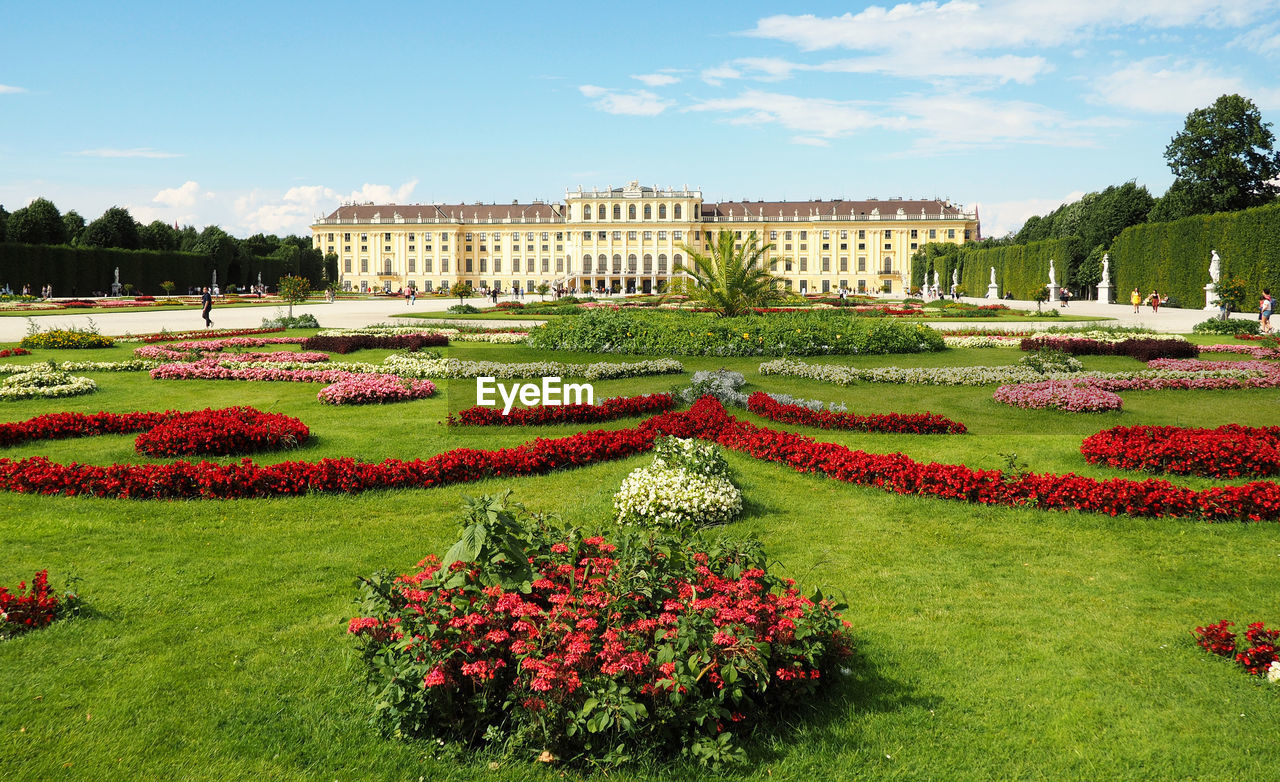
[[545, 415], [765, 406], [230, 430], [1230, 451], [1258, 655], [30, 609], [530, 639]]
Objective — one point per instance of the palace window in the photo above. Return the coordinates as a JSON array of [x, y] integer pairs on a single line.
[[887, 234], [600, 212], [631, 211], [648, 211], [804, 235], [648, 235], [862, 245], [662, 211], [386, 237], [346, 265], [484, 265], [804, 264], [773, 234], [862, 234], [826, 234], [648, 264], [786, 235], [662, 263], [844, 266], [631, 235], [914, 234], [675, 234], [862, 263], [346, 237], [826, 264], [426, 269], [631, 263], [586, 211], [444, 265], [413, 266], [617, 212], [888, 245], [675, 212], [497, 265], [602, 235], [364, 265], [617, 236], [617, 264], [951, 233]]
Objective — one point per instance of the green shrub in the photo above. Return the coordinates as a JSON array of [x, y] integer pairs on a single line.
[[1021, 269], [71, 338], [822, 332], [282, 321], [1232, 326], [463, 309]]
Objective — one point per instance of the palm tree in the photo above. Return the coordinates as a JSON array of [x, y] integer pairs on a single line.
[[731, 280]]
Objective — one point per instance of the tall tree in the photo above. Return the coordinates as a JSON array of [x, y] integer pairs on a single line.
[[732, 279], [116, 228], [1223, 160], [75, 226], [4, 222], [157, 235], [39, 222]]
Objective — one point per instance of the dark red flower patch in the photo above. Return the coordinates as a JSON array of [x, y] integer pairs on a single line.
[[30, 609], [1143, 349], [1230, 451], [350, 343], [913, 423], [14, 352], [230, 430], [545, 415]]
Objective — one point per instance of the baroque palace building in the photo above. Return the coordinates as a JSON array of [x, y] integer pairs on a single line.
[[629, 239]]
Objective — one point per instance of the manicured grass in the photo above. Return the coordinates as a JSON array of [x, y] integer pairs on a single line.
[[994, 642]]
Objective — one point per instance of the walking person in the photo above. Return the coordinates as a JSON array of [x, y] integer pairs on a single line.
[[206, 305], [1136, 299], [1155, 301], [1266, 306], [1066, 297]]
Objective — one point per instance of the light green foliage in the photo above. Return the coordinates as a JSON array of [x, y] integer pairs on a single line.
[[731, 279]]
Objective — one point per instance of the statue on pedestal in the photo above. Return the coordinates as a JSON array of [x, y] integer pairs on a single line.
[[1106, 269], [1052, 281], [1211, 290], [115, 285], [1215, 267]]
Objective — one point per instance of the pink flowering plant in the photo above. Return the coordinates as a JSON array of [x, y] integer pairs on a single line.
[[531, 640]]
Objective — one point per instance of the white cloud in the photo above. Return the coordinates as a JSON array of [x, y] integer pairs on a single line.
[[940, 123], [1263, 39], [145, 152], [656, 79], [9, 89], [633, 102], [1001, 217], [261, 211], [718, 75], [1160, 86], [183, 196], [927, 66]]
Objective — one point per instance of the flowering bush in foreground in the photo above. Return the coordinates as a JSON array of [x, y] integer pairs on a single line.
[[687, 485], [1142, 348], [32, 609], [1229, 451], [66, 339], [375, 390], [913, 423], [546, 415], [230, 430], [530, 640], [1258, 656], [350, 343], [167, 336], [1066, 395]]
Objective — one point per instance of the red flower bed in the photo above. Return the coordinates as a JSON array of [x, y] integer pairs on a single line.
[[14, 352], [1139, 348], [354, 342], [144, 298], [60, 426], [1229, 451], [545, 415], [509, 305], [913, 423], [32, 609], [1256, 655], [707, 419], [230, 430]]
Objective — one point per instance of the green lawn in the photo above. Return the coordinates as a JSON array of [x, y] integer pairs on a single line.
[[994, 642]]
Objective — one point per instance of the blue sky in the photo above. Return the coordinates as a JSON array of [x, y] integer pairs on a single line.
[[260, 116]]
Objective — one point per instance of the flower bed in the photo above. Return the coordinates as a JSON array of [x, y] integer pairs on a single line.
[[536, 640], [1230, 451], [230, 430], [780, 334], [66, 339], [1257, 352], [452, 368], [548, 415], [501, 336], [912, 423], [353, 342], [42, 381], [188, 351], [1142, 348], [1257, 656], [166, 336], [1066, 395], [60, 426], [14, 352], [375, 390], [981, 341], [131, 365], [30, 609]]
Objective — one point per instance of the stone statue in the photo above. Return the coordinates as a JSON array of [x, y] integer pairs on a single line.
[[955, 276], [115, 286], [259, 279], [215, 278], [993, 275], [1215, 267], [1106, 267], [1052, 281], [117, 282], [935, 279]]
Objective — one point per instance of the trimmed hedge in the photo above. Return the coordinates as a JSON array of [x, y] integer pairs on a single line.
[[79, 271], [1021, 269], [1173, 258]]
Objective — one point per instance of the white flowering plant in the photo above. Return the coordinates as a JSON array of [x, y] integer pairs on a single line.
[[687, 485], [44, 381]]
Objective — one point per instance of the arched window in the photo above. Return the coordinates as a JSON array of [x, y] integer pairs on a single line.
[[631, 263], [617, 264], [676, 260], [888, 264], [386, 266], [675, 212], [648, 264], [617, 212], [602, 263], [631, 211], [586, 263], [586, 211], [600, 212], [648, 211], [662, 211], [662, 264]]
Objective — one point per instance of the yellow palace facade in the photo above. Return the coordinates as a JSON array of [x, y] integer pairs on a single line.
[[629, 239]]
